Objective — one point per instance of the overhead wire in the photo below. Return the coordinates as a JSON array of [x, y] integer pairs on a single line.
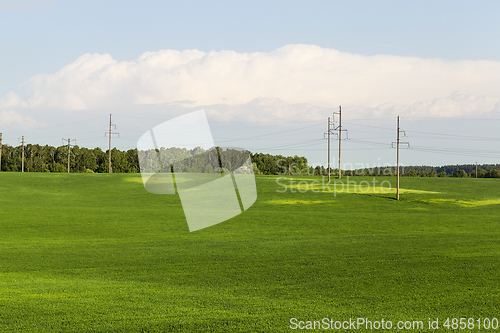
[[303, 145]]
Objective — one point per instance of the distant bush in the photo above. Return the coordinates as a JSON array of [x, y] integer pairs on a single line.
[[492, 173], [256, 170], [209, 169], [460, 174]]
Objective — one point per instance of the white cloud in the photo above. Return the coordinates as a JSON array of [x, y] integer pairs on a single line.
[[457, 104], [267, 110], [13, 119], [11, 99], [299, 75]]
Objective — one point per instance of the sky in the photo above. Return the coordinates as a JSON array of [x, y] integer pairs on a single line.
[[268, 74]]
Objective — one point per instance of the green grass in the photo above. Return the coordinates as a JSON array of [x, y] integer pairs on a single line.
[[97, 253]]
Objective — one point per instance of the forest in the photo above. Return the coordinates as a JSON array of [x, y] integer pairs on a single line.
[[38, 158], [47, 158]]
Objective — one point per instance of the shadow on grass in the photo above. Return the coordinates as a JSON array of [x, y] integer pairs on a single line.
[[378, 196]]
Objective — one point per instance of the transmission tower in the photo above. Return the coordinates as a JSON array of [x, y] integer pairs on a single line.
[[69, 148], [329, 132], [339, 136], [110, 134], [22, 159], [398, 143]]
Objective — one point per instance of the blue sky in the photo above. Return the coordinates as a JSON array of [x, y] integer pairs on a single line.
[[40, 42], [457, 40]]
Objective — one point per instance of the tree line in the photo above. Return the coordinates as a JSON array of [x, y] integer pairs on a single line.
[[38, 158], [47, 158], [458, 171], [197, 160]]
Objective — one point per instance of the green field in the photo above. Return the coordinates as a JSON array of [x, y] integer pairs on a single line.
[[97, 253]]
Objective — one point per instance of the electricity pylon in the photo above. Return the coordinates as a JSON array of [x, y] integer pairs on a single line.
[[22, 158], [110, 133], [69, 148], [398, 143], [329, 133], [339, 136]]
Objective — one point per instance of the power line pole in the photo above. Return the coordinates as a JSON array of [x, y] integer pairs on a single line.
[[398, 142], [329, 159], [69, 148], [339, 137], [22, 160], [329, 133], [397, 191], [340, 141], [69, 151], [110, 133], [476, 161]]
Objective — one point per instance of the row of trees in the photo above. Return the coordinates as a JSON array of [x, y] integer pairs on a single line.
[[38, 158], [197, 160], [54, 159], [484, 171], [481, 173], [46, 158], [465, 170], [280, 165]]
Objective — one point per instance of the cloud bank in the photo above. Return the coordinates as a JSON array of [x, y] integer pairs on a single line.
[[15, 120], [295, 75]]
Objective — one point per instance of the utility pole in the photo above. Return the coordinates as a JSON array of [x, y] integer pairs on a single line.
[[110, 133], [22, 159], [1, 145], [69, 148], [329, 133], [329, 159], [109, 150], [1, 151], [397, 191], [398, 142], [339, 137], [340, 141], [69, 151]]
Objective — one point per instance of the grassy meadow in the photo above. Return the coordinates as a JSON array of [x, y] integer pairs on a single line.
[[97, 253]]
